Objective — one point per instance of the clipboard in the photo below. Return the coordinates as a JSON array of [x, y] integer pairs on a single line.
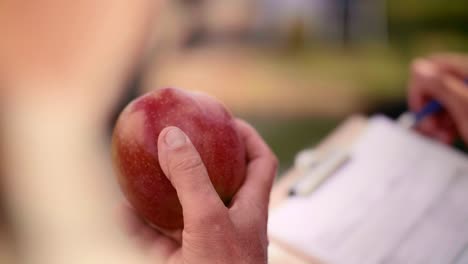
[[403, 199], [344, 135]]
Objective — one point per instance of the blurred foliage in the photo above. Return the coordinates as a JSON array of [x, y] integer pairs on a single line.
[[409, 16], [419, 27], [377, 71], [366, 77], [373, 71]]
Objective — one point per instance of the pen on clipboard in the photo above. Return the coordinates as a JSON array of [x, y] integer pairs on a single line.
[[317, 175], [410, 120]]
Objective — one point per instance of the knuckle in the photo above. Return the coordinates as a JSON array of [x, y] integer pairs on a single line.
[[258, 213], [189, 164], [210, 219], [260, 218], [274, 162], [213, 217], [271, 164]]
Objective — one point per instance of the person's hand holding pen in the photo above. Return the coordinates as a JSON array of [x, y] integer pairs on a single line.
[[442, 78]]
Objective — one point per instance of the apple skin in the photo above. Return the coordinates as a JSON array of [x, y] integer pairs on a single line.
[[207, 123]]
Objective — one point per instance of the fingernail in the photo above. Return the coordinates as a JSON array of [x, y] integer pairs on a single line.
[[175, 138]]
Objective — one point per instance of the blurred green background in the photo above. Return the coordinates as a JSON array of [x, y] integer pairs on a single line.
[[296, 69]]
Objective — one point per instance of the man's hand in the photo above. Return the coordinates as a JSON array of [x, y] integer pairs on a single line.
[[441, 77], [212, 232]]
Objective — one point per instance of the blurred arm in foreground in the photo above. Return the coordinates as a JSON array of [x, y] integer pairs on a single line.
[[62, 65]]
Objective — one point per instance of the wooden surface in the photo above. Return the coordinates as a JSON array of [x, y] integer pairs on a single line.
[[345, 135]]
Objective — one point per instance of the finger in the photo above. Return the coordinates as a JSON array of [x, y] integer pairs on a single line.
[[261, 171], [129, 219], [184, 167], [428, 127], [135, 224], [439, 127], [417, 97], [452, 63], [427, 77], [160, 246], [447, 124], [445, 136], [443, 130], [458, 109], [429, 82]]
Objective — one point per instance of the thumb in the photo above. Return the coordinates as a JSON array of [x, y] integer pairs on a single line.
[[184, 167]]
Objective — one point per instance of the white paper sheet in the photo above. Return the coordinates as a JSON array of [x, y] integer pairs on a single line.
[[401, 199]]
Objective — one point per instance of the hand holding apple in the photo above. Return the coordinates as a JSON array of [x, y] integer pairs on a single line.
[[209, 127], [212, 232]]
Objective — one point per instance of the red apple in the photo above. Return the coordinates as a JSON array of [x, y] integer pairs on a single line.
[[210, 127]]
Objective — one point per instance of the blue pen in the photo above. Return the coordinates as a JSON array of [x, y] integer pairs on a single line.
[[433, 107], [410, 120]]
